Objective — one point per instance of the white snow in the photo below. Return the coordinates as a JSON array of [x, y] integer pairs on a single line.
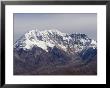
[[30, 39], [41, 44], [62, 47], [34, 41], [67, 38], [83, 41], [94, 42], [50, 44], [29, 44]]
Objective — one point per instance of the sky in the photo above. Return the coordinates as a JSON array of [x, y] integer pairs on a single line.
[[64, 22]]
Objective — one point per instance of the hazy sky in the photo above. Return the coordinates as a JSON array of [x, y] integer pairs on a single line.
[[64, 22]]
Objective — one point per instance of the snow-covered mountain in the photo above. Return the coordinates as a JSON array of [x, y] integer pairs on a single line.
[[52, 48], [51, 38]]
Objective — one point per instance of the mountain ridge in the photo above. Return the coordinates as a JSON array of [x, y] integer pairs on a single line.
[[51, 38], [51, 50]]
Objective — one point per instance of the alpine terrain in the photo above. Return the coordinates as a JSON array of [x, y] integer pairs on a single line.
[[51, 52]]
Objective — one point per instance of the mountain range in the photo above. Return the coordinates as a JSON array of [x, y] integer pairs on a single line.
[[51, 52]]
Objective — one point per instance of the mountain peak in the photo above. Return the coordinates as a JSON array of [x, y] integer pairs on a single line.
[[51, 51], [51, 38]]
